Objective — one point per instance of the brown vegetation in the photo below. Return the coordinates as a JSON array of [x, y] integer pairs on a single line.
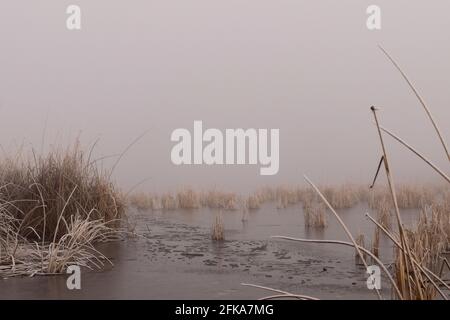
[[53, 210], [218, 230]]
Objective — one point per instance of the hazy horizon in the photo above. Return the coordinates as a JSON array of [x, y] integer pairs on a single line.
[[308, 68]]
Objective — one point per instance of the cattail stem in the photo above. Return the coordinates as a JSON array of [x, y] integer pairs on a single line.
[[403, 239], [416, 153], [349, 234]]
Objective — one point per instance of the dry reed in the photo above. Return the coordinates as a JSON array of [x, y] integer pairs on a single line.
[[315, 214], [53, 210], [218, 230]]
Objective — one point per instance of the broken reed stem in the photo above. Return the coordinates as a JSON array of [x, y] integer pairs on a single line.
[[349, 234], [422, 102], [403, 239], [423, 269], [346, 243], [284, 293], [439, 171]]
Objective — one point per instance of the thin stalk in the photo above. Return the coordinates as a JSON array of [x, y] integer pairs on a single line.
[[397, 211], [347, 231], [422, 102], [346, 243], [265, 288], [439, 171]]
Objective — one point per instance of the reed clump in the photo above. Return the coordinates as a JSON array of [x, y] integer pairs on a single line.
[[41, 191], [169, 202], [21, 257], [220, 200], [141, 201], [414, 197], [427, 241], [288, 196], [53, 209], [315, 214], [218, 229], [188, 199], [408, 196], [342, 197], [266, 194], [253, 202]]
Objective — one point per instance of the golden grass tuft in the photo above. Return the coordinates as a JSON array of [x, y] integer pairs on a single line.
[[188, 199], [40, 192], [342, 197], [427, 240], [140, 201], [315, 215], [218, 229], [53, 209], [220, 200], [253, 202]]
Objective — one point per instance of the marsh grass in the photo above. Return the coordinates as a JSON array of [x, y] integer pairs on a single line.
[[141, 201], [218, 229], [315, 215], [20, 257], [42, 191], [53, 210], [253, 202], [188, 199], [169, 202], [341, 197], [384, 212], [220, 200]]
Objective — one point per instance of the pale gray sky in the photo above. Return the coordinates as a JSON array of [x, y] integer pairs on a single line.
[[309, 68]]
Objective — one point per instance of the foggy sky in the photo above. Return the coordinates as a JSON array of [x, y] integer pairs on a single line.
[[308, 68]]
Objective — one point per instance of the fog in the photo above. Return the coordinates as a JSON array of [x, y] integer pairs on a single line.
[[308, 68]]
